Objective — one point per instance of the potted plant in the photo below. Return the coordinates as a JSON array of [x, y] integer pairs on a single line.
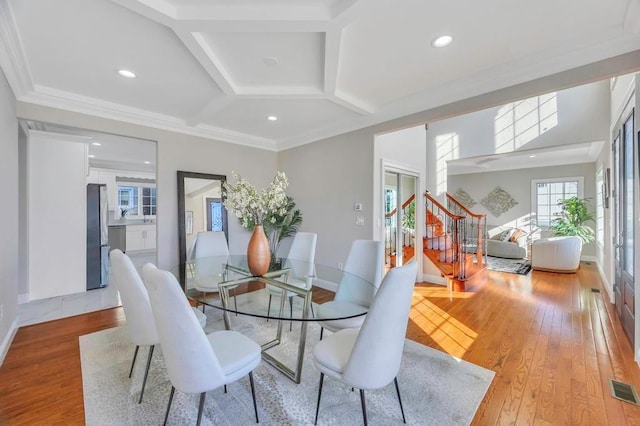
[[282, 224], [572, 219]]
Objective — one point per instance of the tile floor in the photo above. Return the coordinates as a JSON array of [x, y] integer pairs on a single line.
[[75, 304]]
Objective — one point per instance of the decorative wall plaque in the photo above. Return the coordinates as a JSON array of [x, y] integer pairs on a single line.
[[464, 198], [498, 201]]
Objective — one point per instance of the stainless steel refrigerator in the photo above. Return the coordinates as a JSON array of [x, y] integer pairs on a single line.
[[97, 236]]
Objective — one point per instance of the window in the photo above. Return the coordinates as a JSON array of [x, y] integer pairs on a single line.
[[137, 199], [547, 193]]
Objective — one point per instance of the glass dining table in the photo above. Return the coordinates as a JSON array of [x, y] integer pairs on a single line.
[[214, 281]]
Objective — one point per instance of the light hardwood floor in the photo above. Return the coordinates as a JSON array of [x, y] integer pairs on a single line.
[[552, 342]]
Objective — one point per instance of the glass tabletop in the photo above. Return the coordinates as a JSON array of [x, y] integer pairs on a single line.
[[225, 283]]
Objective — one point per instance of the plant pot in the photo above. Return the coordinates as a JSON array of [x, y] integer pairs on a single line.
[[258, 253]]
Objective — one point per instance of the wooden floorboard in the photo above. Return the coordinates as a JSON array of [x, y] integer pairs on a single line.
[[553, 343]]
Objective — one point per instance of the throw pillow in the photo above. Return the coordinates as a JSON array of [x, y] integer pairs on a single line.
[[499, 236], [508, 234], [516, 234]]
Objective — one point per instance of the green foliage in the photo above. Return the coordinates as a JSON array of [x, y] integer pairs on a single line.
[[409, 217], [571, 221], [280, 226]]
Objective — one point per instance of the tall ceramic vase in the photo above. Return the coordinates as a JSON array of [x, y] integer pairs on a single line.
[[258, 254]]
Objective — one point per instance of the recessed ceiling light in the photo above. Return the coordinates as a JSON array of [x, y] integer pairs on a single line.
[[91, 156], [147, 162], [271, 61], [96, 143], [272, 118], [442, 41], [127, 73], [532, 156]]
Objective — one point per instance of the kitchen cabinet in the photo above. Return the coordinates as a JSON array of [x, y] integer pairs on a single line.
[[141, 237]]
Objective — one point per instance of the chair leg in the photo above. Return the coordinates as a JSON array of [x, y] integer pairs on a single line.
[[166, 416], [313, 314], [253, 394], [290, 313], [204, 296], [269, 308], [135, 355], [399, 400], [315, 422], [146, 372], [235, 303], [225, 388], [200, 407], [321, 332], [364, 407]]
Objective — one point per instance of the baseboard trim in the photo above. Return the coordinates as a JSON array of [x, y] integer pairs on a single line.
[[434, 279], [23, 298], [327, 285], [607, 285], [589, 259], [7, 340]]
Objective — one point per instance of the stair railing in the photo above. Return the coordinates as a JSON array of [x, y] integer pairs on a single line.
[[406, 241], [442, 225], [473, 229]]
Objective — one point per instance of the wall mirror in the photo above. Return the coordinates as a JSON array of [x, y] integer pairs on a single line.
[[199, 209]]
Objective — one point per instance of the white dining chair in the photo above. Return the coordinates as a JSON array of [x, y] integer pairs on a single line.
[[300, 259], [357, 286], [208, 274], [196, 362], [137, 309], [369, 358]]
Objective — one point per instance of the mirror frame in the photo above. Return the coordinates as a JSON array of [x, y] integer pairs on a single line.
[[182, 234]]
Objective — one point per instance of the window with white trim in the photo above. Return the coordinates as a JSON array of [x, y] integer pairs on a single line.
[[547, 193], [136, 199]]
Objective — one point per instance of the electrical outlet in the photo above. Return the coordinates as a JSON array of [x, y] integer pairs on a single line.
[[357, 207]]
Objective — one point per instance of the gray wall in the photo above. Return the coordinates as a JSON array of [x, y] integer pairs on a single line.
[[518, 184], [327, 178], [8, 213], [23, 231], [175, 152]]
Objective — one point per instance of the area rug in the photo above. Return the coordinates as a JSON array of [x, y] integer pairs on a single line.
[[436, 388], [512, 266]]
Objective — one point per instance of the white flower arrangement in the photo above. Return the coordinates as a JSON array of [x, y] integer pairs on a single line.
[[252, 207]]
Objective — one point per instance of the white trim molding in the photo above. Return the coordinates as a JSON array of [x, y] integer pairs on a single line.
[[606, 284], [4, 348], [434, 279]]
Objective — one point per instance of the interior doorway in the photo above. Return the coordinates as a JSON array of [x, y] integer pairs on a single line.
[[399, 212], [624, 218]]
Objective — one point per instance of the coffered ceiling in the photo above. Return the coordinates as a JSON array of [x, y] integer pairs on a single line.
[[219, 68]]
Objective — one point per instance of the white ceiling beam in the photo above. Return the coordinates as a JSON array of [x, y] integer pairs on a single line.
[[211, 108], [344, 12], [248, 26], [332, 42], [280, 92], [254, 13], [203, 53], [12, 59], [157, 10], [352, 103]]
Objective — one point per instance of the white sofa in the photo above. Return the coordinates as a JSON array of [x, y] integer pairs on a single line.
[[556, 254], [507, 249]]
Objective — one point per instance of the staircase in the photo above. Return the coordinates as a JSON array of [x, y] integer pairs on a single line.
[[408, 246], [455, 241]]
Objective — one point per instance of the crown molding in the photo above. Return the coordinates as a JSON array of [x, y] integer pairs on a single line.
[[59, 99], [12, 59]]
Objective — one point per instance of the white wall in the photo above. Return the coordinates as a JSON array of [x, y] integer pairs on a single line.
[[57, 216], [518, 184], [174, 152], [583, 116], [326, 179], [23, 212], [9, 276]]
